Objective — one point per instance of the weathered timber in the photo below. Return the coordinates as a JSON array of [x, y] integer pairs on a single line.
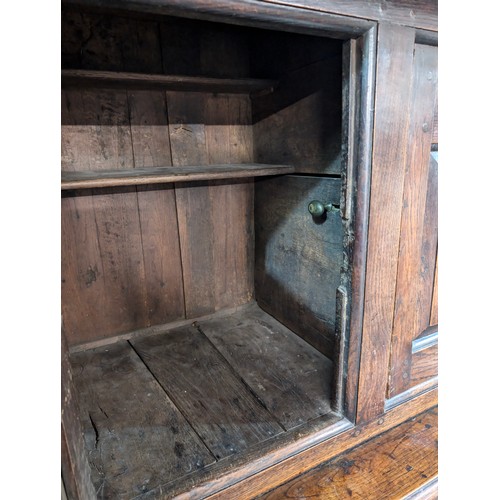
[[218, 405], [392, 95], [296, 254], [289, 376], [111, 79], [400, 462], [135, 437]]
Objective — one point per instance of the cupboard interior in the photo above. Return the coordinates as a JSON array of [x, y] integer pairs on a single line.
[[198, 293]]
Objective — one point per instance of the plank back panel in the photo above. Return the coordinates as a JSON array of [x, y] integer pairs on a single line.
[[215, 218], [296, 255], [135, 437]]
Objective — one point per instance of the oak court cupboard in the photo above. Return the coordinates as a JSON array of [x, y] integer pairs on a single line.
[[249, 238]]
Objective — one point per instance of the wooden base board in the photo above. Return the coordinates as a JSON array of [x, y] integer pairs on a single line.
[[401, 463]]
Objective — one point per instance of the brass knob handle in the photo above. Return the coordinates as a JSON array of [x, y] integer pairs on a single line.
[[317, 209]]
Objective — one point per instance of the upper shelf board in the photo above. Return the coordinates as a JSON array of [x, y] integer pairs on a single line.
[[113, 79], [158, 175]]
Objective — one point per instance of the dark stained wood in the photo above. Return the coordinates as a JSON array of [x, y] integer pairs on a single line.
[[300, 123], [418, 232], [218, 405], [296, 254], [399, 462], [434, 307], [75, 468], [95, 41], [358, 96], [157, 211], [287, 374], [393, 91], [136, 438], [288, 467], [153, 330], [414, 13], [247, 13], [111, 79], [424, 365], [160, 175], [215, 219], [102, 257]]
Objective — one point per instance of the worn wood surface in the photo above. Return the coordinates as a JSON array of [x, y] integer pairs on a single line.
[[290, 377], [418, 232], [135, 437], [300, 123], [160, 175], [391, 466], [218, 405], [117, 79], [358, 96], [289, 467], [414, 13], [390, 142], [256, 13], [75, 469], [215, 218], [433, 320], [296, 255], [424, 365]]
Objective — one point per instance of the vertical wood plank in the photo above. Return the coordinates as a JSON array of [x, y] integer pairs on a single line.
[[158, 218], [102, 258], [393, 90], [434, 307], [215, 219], [229, 140], [418, 233]]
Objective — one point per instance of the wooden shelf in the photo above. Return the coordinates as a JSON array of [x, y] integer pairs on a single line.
[[159, 175], [112, 79]]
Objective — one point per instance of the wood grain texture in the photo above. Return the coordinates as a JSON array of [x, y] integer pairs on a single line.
[[75, 469], [102, 258], [218, 405], [135, 437], [358, 96], [295, 253], [424, 365], [287, 374], [120, 79], [247, 13], [418, 232], [393, 91], [414, 13], [289, 467], [300, 123], [215, 219], [399, 462], [161, 175], [434, 307]]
